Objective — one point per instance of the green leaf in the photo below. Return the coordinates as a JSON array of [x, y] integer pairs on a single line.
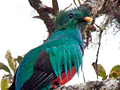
[[83, 0], [79, 2], [4, 67], [10, 60], [4, 83], [101, 70], [18, 59], [55, 6], [74, 2], [115, 72]]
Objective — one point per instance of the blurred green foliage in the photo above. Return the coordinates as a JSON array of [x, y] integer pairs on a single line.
[[7, 79], [113, 74]]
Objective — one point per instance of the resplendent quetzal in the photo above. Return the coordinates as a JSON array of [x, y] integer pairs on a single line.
[[57, 60]]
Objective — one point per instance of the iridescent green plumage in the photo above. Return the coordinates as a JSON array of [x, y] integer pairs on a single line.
[[63, 19], [63, 56], [53, 62]]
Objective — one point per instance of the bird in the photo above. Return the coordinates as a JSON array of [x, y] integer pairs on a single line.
[[59, 58]]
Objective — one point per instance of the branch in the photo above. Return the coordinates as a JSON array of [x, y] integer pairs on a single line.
[[99, 44], [45, 13], [94, 85], [95, 5]]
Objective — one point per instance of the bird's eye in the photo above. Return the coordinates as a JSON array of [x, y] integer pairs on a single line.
[[71, 15]]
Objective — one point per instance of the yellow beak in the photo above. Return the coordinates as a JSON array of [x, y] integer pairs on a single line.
[[88, 19]]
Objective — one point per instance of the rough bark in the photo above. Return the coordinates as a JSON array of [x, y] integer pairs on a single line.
[[98, 7], [94, 85], [45, 13]]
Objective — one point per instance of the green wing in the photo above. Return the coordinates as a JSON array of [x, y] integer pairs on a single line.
[[65, 55]]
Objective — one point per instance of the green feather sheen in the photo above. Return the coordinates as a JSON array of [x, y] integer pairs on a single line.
[[52, 59], [66, 37], [59, 57], [65, 62], [54, 50], [69, 62], [80, 56], [73, 51], [77, 60]]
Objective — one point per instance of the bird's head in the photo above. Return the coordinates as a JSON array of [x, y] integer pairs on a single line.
[[75, 18]]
